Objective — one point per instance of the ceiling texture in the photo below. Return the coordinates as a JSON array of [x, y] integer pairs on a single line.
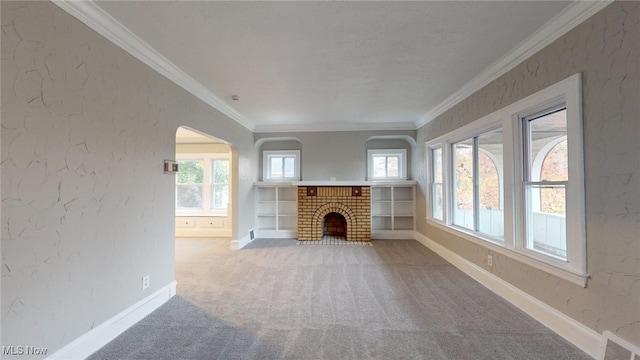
[[323, 66]]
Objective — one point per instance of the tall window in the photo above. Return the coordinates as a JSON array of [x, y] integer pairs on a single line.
[[490, 184], [546, 176], [519, 189], [463, 180], [202, 184], [437, 189], [220, 184], [476, 184], [388, 164], [281, 165], [190, 184]]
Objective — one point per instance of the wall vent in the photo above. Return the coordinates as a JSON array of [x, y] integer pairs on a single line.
[[615, 348], [251, 235]]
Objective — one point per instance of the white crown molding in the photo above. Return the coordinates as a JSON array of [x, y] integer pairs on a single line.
[[104, 24], [341, 126], [562, 23]]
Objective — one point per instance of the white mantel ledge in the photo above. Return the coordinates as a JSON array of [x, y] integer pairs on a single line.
[[336, 183]]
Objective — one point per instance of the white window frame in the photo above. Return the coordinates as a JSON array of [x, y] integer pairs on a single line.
[[267, 155], [207, 186], [531, 172], [567, 92], [432, 182], [476, 208], [402, 163], [213, 184]]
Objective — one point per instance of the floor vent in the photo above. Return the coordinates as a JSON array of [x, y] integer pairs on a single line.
[[615, 348]]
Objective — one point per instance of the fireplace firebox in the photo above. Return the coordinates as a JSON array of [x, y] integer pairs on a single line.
[[334, 224]]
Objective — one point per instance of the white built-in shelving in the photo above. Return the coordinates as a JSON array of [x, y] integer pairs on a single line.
[[276, 210], [393, 211]]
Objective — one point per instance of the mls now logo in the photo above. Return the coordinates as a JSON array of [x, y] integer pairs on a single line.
[[23, 350]]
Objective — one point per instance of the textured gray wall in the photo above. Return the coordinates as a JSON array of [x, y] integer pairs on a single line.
[[606, 50], [341, 155], [86, 208]]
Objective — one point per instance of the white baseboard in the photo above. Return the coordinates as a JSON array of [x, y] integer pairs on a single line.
[[240, 243], [277, 234], [99, 336], [585, 338]]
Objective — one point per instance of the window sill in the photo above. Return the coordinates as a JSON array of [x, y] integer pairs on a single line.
[[281, 180], [201, 214], [565, 274], [336, 183], [387, 179]]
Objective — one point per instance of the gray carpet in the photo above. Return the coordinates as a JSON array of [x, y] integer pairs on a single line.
[[277, 300]]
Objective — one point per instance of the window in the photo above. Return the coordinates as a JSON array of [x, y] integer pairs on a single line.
[[281, 165], [437, 187], [463, 184], [490, 213], [202, 184], [220, 185], [545, 180], [387, 164], [512, 181], [476, 184], [189, 184]]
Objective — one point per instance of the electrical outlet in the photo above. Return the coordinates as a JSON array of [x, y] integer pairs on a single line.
[[490, 260], [146, 280]]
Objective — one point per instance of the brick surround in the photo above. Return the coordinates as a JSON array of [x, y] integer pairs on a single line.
[[352, 202]]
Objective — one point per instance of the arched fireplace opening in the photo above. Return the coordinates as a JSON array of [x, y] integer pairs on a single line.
[[334, 224]]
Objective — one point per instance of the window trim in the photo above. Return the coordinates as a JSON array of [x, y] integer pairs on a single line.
[[528, 170], [432, 181], [575, 220], [453, 178], [567, 92], [266, 164], [207, 185], [214, 184], [402, 164]]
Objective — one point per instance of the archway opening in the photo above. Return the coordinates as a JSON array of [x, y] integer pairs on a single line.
[[204, 185]]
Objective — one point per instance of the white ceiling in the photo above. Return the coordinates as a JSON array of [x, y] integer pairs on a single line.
[[304, 66]]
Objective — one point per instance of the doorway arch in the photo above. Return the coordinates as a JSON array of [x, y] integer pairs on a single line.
[[211, 212]]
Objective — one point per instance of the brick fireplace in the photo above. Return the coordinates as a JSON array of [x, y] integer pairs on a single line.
[[321, 209]]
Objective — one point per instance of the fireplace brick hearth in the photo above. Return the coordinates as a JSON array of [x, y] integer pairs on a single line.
[[352, 202]]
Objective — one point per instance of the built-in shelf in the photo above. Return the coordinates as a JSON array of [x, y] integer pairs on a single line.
[[277, 210], [392, 210]]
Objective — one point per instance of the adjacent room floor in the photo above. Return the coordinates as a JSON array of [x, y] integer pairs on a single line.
[[279, 300]]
